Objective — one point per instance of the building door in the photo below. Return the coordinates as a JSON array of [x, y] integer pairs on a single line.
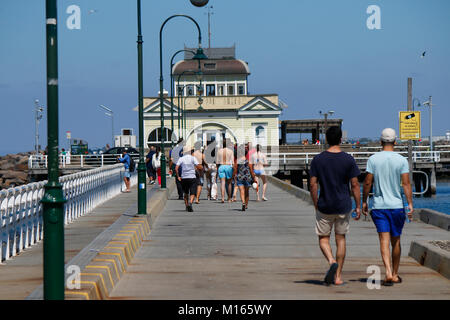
[[212, 135]]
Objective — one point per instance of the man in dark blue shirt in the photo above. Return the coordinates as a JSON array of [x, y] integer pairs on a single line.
[[333, 170], [151, 172]]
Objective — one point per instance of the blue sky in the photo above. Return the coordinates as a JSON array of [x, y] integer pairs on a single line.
[[316, 54]]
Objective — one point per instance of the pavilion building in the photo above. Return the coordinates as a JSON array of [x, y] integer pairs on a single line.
[[226, 109]]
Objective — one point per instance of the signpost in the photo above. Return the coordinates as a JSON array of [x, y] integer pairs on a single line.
[[409, 125]]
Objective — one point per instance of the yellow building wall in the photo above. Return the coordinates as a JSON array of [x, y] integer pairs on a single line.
[[242, 128]]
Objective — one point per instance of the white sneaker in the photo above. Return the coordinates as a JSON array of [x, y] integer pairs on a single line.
[[264, 198]]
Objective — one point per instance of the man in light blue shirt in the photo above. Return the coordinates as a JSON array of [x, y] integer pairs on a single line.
[[388, 171], [125, 159]]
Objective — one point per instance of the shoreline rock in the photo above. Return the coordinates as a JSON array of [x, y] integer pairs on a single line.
[[14, 170]]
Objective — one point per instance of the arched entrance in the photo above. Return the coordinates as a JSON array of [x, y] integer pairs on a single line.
[[208, 132]]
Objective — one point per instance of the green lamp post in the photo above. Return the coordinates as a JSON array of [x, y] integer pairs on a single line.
[[179, 94], [142, 186], [171, 93], [199, 55], [53, 200]]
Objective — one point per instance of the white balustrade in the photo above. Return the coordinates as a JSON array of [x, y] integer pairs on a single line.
[[21, 211]]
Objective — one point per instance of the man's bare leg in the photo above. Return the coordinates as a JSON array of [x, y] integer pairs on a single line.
[[385, 238], [186, 199], [229, 187], [192, 199], [396, 254], [324, 243], [127, 184], [222, 189], [199, 191], [340, 257]]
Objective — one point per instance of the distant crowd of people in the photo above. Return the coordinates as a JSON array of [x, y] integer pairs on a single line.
[[235, 168]]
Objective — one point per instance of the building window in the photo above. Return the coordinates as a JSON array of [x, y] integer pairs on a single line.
[[221, 89], [155, 136], [231, 89], [260, 133], [210, 89], [211, 66], [190, 90], [241, 89]]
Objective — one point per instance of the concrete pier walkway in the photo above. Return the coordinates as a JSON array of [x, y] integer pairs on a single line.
[[269, 251]]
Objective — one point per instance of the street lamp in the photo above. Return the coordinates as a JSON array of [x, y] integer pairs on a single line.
[[110, 113], [171, 93], [180, 93], [326, 114], [430, 105], [38, 116], [199, 55], [53, 199], [418, 103]]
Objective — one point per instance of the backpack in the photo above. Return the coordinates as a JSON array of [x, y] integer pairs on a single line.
[[132, 165]]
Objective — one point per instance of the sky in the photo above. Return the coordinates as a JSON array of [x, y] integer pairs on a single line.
[[315, 54]]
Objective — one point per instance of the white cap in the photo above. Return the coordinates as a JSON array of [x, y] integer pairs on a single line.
[[187, 149], [388, 135]]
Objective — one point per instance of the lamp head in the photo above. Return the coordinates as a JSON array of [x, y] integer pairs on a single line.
[[199, 3], [331, 112], [199, 55]]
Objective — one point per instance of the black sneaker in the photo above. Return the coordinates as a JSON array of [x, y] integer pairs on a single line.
[[190, 208], [243, 207]]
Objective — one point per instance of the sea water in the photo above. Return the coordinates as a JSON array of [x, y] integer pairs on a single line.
[[438, 202]]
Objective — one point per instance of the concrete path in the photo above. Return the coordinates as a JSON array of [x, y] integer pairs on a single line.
[[268, 252], [23, 274]]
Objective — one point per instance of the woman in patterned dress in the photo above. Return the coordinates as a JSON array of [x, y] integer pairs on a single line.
[[243, 171]]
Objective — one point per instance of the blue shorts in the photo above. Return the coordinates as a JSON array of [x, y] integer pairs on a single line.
[[389, 220], [259, 172], [225, 171], [127, 173]]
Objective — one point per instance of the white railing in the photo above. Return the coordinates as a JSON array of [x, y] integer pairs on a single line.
[[21, 211], [75, 161], [306, 157]]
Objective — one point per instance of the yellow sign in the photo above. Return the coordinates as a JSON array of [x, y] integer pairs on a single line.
[[409, 125]]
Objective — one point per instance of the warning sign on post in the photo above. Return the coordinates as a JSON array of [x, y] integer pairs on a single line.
[[409, 125]]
